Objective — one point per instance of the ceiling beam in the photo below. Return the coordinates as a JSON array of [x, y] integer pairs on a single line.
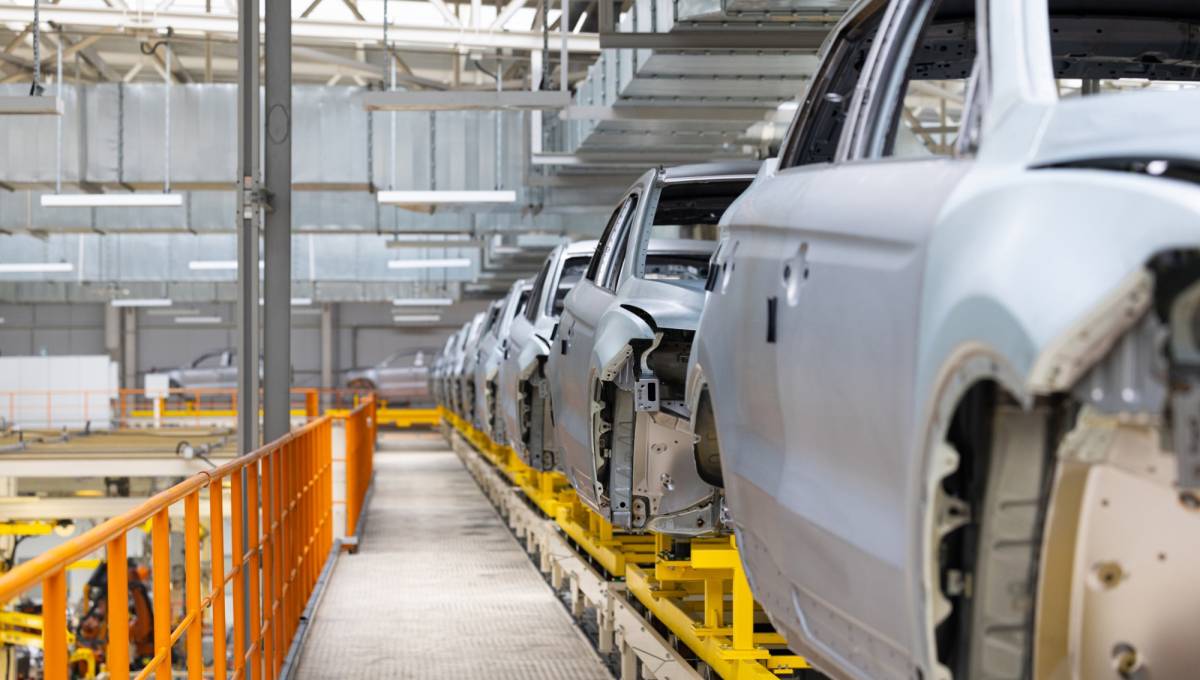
[[197, 23]]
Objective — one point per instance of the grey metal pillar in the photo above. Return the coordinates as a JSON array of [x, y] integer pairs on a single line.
[[248, 216], [129, 348], [248, 222], [277, 233], [327, 345]]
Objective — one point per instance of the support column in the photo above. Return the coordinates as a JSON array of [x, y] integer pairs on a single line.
[[247, 281], [327, 349], [129, 349], [277, 234], [248, 220]]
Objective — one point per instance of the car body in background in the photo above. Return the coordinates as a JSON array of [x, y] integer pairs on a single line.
[[524, 398], [465, 373], [950, 353], [401, 378], [454, 386], [437, 372], [619, 356], [216, 369], [493, 346]]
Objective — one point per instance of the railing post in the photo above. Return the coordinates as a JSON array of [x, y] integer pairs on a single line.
[[312, 404], [54, 625], [191, 585], [160, 549], [237, 524], [216, 540], [117, 658]]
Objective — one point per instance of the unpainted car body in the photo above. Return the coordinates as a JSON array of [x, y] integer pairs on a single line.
[[493, 347], [461, 398], [618, 364], [402, 378], [437, 373], [524, 401], [950, 392], [216, 369]]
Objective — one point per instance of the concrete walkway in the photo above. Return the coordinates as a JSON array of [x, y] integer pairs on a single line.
[[439, 587]]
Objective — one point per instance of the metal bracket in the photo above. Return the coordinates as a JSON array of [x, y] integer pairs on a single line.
[[254, 196], [1185, 417], [646, 393]]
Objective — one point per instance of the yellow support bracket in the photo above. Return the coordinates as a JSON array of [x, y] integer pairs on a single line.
[[704, 600]]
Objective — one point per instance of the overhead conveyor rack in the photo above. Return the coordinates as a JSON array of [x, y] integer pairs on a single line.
[[678, 608]]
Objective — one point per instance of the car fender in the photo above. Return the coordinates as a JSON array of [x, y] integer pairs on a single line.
[[616, 329], [531, 356]]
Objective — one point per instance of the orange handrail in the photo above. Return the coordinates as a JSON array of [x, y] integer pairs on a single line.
[[361, 428], [280, 557]]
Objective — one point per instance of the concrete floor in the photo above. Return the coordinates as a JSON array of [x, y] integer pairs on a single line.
[[439, 587]]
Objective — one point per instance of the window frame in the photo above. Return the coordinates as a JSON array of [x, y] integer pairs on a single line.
[[797, 140], [888, 84], [601, 267]]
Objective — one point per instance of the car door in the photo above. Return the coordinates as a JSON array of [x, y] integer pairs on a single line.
[[838, 296], [575, 336]]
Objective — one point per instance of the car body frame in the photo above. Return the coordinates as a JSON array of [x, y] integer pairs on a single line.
[[942, 413], [524, 394], [619, 355], [493, 346]]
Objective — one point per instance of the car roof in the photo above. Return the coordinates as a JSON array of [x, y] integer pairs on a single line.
[[577, 248], [711, 171], [659, 246]]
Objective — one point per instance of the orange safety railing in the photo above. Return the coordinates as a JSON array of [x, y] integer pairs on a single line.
[[361, 428], [276, 562]]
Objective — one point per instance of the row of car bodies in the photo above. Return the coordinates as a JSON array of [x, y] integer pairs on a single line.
[[940, 374]]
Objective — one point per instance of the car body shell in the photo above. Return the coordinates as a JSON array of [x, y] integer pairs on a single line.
[[601, 325], [840, 331], [399, 379], [493, 346], [524, 394], [462, 376]]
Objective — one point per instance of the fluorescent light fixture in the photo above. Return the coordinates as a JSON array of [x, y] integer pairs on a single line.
[[1, 319], [212, 265], [431, 263], [24, 105], [422, 302], [435, 198], [216, 265], [142, 302], [35, 267], [416, 318], [296, 302], [197, 319], [507, 250], [112, 200]]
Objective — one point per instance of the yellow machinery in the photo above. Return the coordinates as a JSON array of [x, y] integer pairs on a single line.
[[696, 588]]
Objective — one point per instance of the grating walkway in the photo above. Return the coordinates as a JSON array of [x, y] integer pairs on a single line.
[[439, 588]]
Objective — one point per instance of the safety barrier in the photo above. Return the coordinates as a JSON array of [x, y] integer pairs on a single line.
[[278, 549], [361, 426]]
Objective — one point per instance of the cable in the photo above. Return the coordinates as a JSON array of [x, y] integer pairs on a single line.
[[35, 89]]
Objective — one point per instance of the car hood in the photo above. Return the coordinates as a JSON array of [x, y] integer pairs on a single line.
[[1143, 125]]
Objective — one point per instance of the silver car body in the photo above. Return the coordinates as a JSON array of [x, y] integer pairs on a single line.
[[461, 373], [524, 400], [842, 335], [402, 378], [492, 348], [617, 368], [437, 373], [212, 370]]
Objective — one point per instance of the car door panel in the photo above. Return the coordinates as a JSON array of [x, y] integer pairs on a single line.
[[844, 275]]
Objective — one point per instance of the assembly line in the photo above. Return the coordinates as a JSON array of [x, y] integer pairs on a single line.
[[946, 391], [637, 339]]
